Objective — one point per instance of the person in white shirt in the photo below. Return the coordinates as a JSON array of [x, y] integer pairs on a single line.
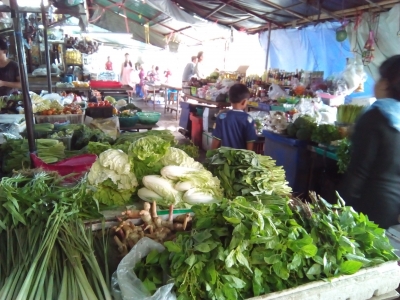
[[199, 70], [188, 73]]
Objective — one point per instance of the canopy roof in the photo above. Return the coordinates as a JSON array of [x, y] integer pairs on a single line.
[[189, 21]]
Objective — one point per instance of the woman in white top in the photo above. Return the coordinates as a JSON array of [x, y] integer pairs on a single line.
[[199, 69]]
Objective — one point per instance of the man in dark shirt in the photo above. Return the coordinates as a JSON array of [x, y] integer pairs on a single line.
[[235, 128], [9, 71]]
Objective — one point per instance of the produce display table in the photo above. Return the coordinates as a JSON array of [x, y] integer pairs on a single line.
[[170, 104], [293, 155], [138, 127], [209, 102], [258, 106], [324, 178]]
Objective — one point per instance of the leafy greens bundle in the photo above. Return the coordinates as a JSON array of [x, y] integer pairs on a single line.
[[241, 248]]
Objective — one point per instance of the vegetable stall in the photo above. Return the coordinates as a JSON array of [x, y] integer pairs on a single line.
[[146, 219]]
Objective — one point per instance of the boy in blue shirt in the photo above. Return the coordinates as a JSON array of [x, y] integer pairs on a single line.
[[235, 128]]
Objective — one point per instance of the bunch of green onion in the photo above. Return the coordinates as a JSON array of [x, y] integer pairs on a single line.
[[47, 251]]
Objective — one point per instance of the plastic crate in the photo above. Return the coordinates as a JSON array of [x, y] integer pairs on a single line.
[[105, 84], [197, 130], [293, 155], [100, 112], [73, 119]]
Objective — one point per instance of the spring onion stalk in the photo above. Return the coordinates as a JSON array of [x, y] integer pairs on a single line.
[[49, 252], [347, 114]]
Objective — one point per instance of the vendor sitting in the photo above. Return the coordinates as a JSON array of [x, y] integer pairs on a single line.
[[235, 128]]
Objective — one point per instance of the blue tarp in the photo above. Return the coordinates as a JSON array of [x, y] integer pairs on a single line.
[[312, 48]]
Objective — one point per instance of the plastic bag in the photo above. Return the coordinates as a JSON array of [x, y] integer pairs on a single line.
[[276, 92], [127, 286], [109, 126]]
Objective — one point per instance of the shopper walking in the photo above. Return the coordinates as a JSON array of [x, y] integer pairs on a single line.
[[109, 64], [188, 72], [126, 71], [372, 184], [9, 71], [142, 81], [199, 69]]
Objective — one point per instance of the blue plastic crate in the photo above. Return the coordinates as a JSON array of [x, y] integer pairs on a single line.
[[293, 155]]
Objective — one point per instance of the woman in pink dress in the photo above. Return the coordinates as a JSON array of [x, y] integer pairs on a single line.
[[126, 71]]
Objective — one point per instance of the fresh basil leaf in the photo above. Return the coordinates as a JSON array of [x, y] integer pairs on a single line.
[[150, 286], [230, 292], [280, 270], [205, 247], [234, 281], [350, 267], [314, 270], [152, 257], [191, 260], [242, 260], [202, 236], [173, 247], [309, 250]]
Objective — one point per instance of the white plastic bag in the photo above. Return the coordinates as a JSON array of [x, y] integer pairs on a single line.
[[127, 286], [276, 92]]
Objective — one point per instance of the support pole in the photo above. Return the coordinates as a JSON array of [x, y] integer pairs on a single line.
[[268, 47], [46, 47], [23, 75]]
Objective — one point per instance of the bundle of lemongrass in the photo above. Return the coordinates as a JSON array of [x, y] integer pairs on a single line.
[[348, 114], [47, 252]]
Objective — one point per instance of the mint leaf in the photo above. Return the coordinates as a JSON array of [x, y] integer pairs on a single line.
[[280, 270], [309, 250]]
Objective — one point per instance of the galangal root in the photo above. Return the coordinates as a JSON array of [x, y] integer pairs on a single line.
[[126, 234]]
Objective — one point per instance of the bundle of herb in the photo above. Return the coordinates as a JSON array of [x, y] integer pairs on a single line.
[[343, 154], [325, 134], [243, 172], [239, 248], [347, 114]]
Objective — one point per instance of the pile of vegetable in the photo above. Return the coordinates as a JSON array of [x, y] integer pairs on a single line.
[[243, 172], [16, 153], [243, 247], [127, 234], [325, 134], [302, 128], [348, 114], [181, 186], [343, 153], [55, 108], [47, 252], [110, 178]]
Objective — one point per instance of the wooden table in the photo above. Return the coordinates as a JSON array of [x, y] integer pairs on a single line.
[[115, 91], [138, 127], [156, 88], [169, 104]]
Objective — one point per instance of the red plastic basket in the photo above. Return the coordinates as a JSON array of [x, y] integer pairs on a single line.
[[75, 165], [105, 84]]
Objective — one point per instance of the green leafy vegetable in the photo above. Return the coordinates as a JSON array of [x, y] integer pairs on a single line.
[[325, 134], [244, 248], [343, 154], [243, 172], [347, 114]]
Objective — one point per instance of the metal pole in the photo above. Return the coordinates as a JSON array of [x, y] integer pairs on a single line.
[[23, 76], [46, 48], [269, 41]]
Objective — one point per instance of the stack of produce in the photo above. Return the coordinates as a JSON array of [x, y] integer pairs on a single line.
[[243, 172], [111, 178], [16, 153], [325, 134], [347, 114], [181, 186], [47, 252], [127, 234], [302, 128], [242, 248]]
